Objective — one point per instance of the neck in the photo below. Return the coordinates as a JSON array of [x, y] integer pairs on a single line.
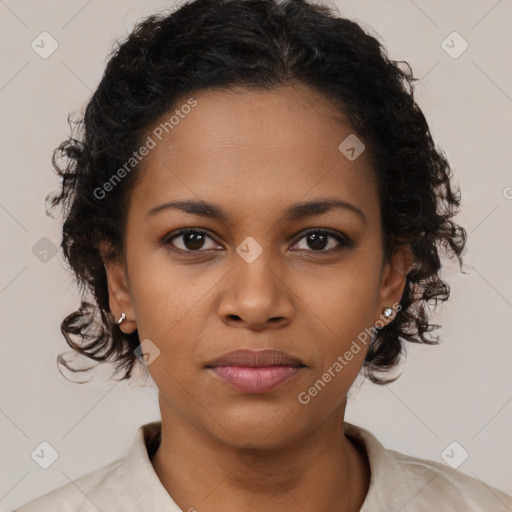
[[322, 471]]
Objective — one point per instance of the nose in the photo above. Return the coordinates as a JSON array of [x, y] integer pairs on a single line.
[[256, 296]]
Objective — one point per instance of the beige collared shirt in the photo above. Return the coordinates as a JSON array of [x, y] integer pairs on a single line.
[[398, 483]]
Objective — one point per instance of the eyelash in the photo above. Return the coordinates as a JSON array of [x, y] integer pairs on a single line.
[[344, 241]]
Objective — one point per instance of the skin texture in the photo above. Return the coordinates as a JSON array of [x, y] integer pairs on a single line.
[[255, 154]]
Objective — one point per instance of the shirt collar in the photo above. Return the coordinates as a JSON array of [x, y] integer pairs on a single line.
[[385, 474], [143, 481]]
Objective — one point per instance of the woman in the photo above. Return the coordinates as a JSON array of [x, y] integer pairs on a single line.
[[256, 203]]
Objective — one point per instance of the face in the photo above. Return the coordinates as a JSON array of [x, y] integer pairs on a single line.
[[269, 273]]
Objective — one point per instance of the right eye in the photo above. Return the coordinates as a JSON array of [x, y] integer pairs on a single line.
[[190, 240]]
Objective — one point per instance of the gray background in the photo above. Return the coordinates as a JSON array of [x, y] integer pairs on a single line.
[[459, 391]]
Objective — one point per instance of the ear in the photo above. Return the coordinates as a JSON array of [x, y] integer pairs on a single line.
[[118, 290], [393, 281]]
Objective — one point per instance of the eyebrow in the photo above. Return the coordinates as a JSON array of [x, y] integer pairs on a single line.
[[293, 213]]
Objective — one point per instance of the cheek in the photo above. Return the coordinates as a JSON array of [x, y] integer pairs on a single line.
[[164, 294], [342, 340], [342, 297], [341, 311], [171, 307]]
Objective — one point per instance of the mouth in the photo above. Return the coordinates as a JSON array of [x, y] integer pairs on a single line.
[[258, 358], [256, 372]]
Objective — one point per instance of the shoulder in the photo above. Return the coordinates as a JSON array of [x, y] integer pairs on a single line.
[[129, 483], [412, 484], [448, 488], [83, 494]]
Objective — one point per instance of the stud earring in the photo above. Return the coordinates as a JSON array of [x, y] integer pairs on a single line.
[[123, 316], [388, 312]]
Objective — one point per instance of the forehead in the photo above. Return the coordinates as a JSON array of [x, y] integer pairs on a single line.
[[267, 147]]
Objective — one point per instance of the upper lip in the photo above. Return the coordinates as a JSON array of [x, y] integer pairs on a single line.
[[266, 357]]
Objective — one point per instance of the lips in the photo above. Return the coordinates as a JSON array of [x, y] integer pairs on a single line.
[[261, 358], [248, 371]]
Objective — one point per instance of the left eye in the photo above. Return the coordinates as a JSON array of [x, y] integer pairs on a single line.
[[193, 240], [318, 240]]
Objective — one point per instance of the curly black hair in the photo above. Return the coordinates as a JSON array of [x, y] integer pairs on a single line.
[[259, 44]]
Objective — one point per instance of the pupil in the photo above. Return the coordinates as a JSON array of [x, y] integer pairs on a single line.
[[196, 244], [318, 238]]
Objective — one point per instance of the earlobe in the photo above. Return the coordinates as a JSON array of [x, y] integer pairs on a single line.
[[118, 291], [394, 279]]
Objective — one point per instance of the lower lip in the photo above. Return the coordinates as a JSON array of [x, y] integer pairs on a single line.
[[256, 379]]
